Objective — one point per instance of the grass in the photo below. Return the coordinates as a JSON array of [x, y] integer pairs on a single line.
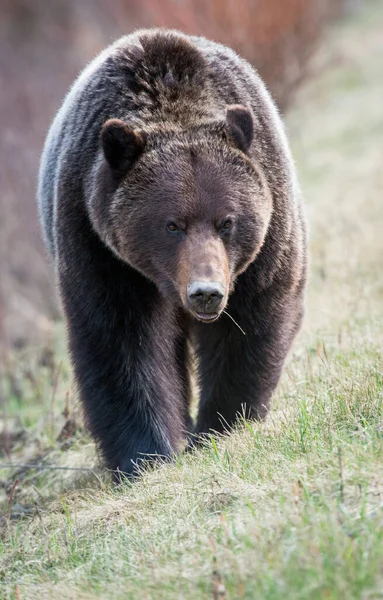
[[288, 509]]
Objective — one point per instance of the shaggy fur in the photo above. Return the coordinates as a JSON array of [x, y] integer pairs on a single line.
[[167, 166]]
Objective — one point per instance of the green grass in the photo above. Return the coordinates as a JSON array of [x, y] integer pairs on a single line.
[[290, 509], [287, 509]]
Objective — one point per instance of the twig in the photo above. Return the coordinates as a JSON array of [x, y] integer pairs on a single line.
[[234, 321], [42, 466]]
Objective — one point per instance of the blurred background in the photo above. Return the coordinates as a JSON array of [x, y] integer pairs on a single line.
[[44, 45]]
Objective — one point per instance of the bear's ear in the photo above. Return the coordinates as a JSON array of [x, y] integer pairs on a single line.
[[121, 144], [239, 121]]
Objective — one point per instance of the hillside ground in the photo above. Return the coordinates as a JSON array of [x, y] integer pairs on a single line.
[[288, 509]]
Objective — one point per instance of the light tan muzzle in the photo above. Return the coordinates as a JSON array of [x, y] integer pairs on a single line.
[[204, 277]]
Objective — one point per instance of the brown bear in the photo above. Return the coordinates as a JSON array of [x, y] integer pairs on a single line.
[[170, 206]]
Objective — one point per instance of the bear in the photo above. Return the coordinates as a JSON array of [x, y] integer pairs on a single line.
[[170, 206]]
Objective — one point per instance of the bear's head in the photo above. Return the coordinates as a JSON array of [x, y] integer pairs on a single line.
[[188, 209]]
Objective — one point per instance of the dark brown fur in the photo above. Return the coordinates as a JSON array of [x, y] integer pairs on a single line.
[[168, 166]]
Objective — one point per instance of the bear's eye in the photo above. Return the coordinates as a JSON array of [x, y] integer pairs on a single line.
[[172, 227], [226, 227]]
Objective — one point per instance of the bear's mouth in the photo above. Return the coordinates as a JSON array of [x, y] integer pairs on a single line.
[[206, 317]]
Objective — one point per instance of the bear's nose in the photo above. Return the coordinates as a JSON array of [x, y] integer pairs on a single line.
[[205, 297]]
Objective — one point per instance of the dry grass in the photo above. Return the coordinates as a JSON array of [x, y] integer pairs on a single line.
[[288, 509]]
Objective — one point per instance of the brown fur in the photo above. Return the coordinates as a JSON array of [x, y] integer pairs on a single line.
[[168, 167]]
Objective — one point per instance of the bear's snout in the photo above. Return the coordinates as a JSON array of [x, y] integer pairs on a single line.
[[203, 277], [206, 298]]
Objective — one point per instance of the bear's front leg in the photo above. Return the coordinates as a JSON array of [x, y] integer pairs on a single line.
[[124, 341], [238, 372]]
